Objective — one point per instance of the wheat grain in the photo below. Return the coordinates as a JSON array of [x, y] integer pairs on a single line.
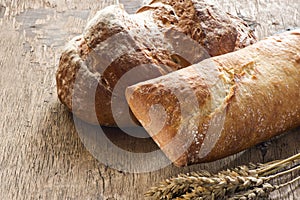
[[243, 182]]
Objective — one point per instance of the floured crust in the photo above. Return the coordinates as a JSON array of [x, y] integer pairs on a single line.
[[217, 31], [247, 97], [147, 33], [70, 62]]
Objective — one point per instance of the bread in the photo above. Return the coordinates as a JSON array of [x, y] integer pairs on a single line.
[[162, 37], [224, 104]]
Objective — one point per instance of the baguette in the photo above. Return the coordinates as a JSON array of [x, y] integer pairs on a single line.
[[103, 53], [224, 104]]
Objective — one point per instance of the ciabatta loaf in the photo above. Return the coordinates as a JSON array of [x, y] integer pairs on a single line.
[[224, 104]]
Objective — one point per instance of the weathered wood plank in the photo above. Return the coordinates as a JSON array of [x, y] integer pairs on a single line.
[[41, 154]]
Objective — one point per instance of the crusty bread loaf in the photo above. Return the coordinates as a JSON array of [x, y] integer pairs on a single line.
[[224, 104], [113, 43]]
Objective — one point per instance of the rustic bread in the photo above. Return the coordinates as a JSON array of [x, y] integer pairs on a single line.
[[114, 42], [224, 104]]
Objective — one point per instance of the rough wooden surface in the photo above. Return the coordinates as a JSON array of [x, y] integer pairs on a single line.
[[41, 155]]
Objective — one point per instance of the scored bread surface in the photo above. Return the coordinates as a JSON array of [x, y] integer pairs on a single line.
[[114, 42]]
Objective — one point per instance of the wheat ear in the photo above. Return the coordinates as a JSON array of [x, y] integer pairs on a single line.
[[243, 182]]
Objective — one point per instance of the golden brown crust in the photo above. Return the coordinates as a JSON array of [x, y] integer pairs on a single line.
[[247, 97], [216, 31]]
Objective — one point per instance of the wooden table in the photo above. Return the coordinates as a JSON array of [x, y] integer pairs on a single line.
[[41, 155]]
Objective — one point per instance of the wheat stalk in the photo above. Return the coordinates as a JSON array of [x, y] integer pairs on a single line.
[[243, 182]]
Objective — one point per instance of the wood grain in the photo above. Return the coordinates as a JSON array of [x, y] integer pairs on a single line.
[[41, 154]]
